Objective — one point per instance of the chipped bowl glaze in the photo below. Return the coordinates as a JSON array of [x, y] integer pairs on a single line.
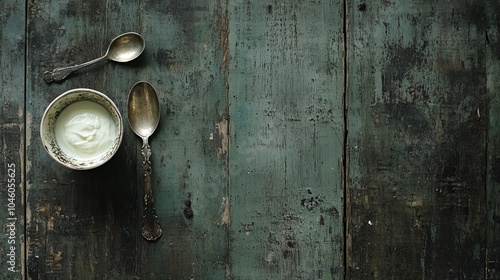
[[54, 109]]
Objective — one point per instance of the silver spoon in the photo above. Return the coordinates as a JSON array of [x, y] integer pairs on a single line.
[[143, 117], [124, 48]]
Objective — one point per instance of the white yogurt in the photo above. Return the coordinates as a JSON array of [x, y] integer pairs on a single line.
[[85, 130]]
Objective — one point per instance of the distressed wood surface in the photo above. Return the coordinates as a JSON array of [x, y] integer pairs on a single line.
[[285, 163], [12, 161], [86, 224], [261, 102], [492, 33], [418, 118]]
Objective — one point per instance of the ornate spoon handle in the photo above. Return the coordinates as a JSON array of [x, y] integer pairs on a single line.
[[60, 74], [151, 229]]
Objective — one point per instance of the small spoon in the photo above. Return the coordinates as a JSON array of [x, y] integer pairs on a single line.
[[143, 117], [124, 48]]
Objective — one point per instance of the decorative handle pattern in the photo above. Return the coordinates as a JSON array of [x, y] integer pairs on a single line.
[[151, 229], [60, 74], [57, 74]]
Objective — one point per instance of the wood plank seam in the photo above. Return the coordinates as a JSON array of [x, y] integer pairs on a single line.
[[345, 156]]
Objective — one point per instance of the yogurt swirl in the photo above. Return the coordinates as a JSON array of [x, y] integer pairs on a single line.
[[85, 130]]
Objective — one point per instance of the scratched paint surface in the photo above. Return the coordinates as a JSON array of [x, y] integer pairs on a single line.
[[248, 170], [285, 163], [12, 139], [492, 27], [417, 140], [87, 224]]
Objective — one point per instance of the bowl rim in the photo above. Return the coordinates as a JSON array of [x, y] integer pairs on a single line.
[[98, 161]]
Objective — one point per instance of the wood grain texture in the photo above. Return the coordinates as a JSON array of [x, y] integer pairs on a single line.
[[86, 224], [286, 126], [12, 126], [257, 102], [492, 33], [418, 119]]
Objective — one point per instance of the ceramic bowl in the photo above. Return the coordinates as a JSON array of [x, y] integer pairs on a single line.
[[85, 135]]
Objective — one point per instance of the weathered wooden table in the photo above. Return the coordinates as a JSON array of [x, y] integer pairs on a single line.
[[298, 140]]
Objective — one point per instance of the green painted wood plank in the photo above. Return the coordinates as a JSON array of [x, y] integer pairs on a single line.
[[417, 140], [87, 224], [418, 76], [12, 127], [79, 224], [286, 127], [492, 29], [186, 62]]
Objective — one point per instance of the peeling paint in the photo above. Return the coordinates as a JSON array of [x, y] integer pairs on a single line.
[[43, 208], [225, 216], [53, 261], [57, 256], [28, 212], [223, 27], [228, 271], [222, 130], [269, 257], [29, 124], [50, 224], [416, 203]]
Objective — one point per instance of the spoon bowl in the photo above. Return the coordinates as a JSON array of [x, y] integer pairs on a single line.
[[123, 48], [143, 109], [143, 113]]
